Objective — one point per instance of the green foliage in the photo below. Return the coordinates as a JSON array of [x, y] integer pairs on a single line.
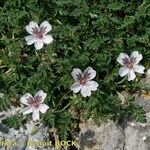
[[136, 113], [63, 123], [4, 103], [13, 121], [86, 33]]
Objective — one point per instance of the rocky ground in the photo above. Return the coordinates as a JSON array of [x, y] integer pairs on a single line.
[[110, 136], [107, 136]]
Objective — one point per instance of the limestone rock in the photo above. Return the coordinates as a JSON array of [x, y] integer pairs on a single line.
[[109, 136], [106, 137]]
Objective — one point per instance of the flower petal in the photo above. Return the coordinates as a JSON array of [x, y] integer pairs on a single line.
[[30, 39], [29, 28], [36, 115], [47, 39], [38, 44], [24, 99], [92, 85], [131, 75], [43, 108], [27, 110], [85, 91], [139, 69], [40, 94], [123, 71], [76, 87], [121, 58], [89, 73], [46, 26], [76, 74], [136, 55]]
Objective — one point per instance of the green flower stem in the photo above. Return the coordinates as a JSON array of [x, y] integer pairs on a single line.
[[61, 101], [58, 111]]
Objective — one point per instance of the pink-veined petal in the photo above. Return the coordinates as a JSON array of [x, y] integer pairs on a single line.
[[38, 44], [131, 75], [41, 94], [139, 69], [90, 73], [27, 110], [29, 28], [30, 39], [46, 26], [121, 58], [36, 115], [76, 87], [123, 71], [136, 55], [85, 91], [92, 85], [24, 99], [47, 39], [43, 108], [76, 74]]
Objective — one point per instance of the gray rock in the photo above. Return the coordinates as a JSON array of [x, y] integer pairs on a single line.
[[106, 137], [109, 136], [143, 102], [137, 137]]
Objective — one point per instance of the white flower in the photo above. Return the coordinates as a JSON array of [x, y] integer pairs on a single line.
[[38, 34], [83, 81], [130, 65], [34, 104]]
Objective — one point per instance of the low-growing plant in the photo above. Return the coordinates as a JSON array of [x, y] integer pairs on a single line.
[[86, 33]]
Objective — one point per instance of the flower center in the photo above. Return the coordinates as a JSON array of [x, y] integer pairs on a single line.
[[82, 78], [83, 81], [39, 32], [129, 63], [34, 102]]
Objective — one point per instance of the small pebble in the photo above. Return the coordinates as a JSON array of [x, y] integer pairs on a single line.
[[132, 124], [144, 138], [148, 72]]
